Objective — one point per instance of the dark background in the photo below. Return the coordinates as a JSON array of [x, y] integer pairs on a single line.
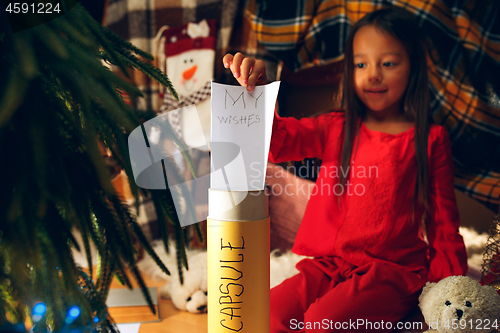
[[95, 8]]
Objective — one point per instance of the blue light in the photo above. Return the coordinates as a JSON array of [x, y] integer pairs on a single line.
[[74, 312], [40, 309], [96, 320]]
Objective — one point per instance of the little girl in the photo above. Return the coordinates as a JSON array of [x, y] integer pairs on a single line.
[[384, 169]]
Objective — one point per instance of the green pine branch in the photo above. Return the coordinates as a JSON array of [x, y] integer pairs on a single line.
[[56, 100]]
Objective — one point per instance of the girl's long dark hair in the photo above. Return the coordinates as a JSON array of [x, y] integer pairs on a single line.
[[401, 25]]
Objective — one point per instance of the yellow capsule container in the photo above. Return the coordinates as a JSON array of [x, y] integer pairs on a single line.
[[238, 262]]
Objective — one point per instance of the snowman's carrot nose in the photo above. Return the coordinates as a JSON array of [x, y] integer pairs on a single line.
[[188, 74]]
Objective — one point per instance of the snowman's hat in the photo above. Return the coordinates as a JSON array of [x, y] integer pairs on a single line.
[[190, 36]]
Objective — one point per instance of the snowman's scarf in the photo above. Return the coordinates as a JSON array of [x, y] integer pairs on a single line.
[[170, 104]]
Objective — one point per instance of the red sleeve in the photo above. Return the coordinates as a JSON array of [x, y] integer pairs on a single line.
[[447, 252], [294, 140]]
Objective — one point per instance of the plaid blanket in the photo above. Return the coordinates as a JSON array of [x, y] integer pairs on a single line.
[[464, 67]]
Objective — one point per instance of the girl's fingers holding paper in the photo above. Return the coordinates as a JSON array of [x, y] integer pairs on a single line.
[[257, 76], [227, 60], [235, 66], [246, 69]]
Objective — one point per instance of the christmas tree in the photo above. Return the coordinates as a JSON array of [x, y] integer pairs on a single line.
[[57, 101]]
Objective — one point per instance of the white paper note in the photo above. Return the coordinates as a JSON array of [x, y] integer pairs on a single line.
[[129, 328], [242, 122]]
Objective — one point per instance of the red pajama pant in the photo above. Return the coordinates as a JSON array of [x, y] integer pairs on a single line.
[[330, 294]]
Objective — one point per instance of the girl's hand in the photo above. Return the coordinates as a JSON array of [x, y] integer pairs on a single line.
[[248, 72]]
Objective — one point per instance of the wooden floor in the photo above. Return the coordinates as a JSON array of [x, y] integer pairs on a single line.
[[176, 321], [171, 320]]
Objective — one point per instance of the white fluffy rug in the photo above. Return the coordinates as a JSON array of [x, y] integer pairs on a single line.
[[475, 244]]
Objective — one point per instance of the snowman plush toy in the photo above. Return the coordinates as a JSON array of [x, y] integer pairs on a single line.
[[189, 54]]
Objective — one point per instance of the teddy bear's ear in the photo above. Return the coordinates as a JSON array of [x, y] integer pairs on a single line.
[[491, 292], [428, 286]]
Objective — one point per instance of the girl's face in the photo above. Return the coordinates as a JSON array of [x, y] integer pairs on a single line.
[[381, 72]]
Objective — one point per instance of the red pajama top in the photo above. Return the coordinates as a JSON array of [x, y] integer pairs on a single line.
[[374, 220]]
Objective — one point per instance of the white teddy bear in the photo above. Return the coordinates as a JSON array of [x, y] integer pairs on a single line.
[[460, 304], [191, 296]]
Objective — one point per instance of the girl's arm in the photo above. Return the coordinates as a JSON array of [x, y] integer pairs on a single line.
[[447, 252], [294, 140], [303, 138]]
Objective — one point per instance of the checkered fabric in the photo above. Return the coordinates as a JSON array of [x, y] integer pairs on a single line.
[[464, 67]]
